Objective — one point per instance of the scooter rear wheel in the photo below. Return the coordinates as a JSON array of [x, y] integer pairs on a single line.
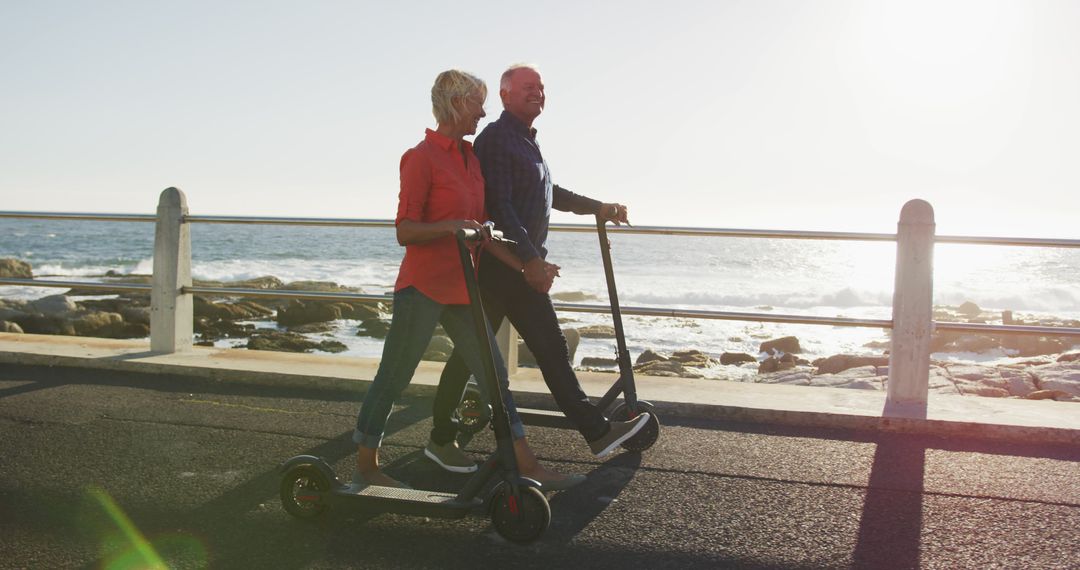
[[647, 436], [303, 490], [519, 519]]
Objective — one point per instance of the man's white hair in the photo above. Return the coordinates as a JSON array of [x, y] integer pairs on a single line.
[[504, 81]]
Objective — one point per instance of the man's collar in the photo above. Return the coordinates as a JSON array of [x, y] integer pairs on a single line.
[[516, 123]]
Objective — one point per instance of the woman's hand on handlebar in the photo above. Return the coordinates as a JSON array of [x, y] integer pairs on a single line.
[[452, 226]]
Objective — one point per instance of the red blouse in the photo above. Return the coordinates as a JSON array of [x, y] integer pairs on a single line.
[[438, 183]]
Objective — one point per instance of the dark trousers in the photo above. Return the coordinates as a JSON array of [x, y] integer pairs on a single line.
[[505, 293]]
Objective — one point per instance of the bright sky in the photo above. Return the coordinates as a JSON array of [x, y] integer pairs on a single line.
[[734, 114]]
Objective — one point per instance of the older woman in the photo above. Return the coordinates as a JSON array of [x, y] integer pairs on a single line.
[[442, 191]]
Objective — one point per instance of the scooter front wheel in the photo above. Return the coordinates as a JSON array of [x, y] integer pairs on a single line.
[[472, 414], [303, 491], [520, 519], [647, 436]]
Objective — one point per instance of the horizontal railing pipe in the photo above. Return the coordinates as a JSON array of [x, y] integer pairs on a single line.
[[1006, 329], [95, 285], [726, 315], [571, 228], [274, 221], [81, 217], [288, 294]]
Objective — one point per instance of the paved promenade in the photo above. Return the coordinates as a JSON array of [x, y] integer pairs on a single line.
[[122, 449]]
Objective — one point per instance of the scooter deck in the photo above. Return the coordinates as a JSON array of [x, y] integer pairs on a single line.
[[406, 501]]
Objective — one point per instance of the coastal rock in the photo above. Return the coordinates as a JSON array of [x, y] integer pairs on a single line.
[[977, 343], [976, 380], [11, 310], [298, 312], [10, 327], [241, 310], [776, 363], [939, 382], [210, 330], [860, 378], [985, 391], [264, 282], [667, 368], [649, 356], [597, 331], [319, 286], [735, 358], [332, 346], [1019, 383], [40, 324], [290, 342], [783, 362], [439, 349], [526, 358], [795, 377], [1063, 376], [1069, 357], [787, 345], [969, 309], [312, 328], [92, 323], [15, 269], [375, 328], [841, 362], [1048, 395], [572, 297], [1041, 345], [694, 358], [53, 305], [363, 311], [597, 362]]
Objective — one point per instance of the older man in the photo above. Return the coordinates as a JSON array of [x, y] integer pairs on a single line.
[[519, 198]]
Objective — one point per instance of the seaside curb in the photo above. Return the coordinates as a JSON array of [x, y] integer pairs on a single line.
[[673, 398]]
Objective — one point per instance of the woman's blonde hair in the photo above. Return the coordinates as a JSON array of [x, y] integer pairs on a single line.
[[450, 85]]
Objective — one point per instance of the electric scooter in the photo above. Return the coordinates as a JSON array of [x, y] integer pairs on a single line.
[[519, 511], [473, 413]]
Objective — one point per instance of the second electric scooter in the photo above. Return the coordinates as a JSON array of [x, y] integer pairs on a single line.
[[518, 510], [472, 414]]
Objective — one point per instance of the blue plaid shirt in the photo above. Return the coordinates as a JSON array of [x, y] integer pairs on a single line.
[[518, 191]]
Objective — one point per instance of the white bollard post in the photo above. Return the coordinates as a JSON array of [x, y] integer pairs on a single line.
[[170, 308], [507, 340], [913, 297]]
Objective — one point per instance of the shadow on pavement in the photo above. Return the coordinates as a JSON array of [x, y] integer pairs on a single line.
[[890, 526], [591, 498]]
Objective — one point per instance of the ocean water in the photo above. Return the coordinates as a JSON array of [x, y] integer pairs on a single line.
[[804, 277]]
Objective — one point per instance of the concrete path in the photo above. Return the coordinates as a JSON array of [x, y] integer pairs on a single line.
[[109, 468], [772, 404]]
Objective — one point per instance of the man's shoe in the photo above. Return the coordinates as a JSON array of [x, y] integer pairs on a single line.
[[450, 457], [619, 432]]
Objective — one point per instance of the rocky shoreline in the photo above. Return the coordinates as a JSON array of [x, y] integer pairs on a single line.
[[1045, 367]]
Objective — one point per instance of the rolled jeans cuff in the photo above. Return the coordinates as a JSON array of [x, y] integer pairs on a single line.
[[367, 440]]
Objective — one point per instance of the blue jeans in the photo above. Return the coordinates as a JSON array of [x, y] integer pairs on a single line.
[[411, 327]]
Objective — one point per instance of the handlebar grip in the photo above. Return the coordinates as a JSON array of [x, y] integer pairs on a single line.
[[468, 234]]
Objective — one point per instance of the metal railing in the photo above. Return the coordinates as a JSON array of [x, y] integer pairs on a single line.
[[172, 288]]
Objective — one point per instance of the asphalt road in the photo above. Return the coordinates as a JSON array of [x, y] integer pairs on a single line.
[[111, 470]]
